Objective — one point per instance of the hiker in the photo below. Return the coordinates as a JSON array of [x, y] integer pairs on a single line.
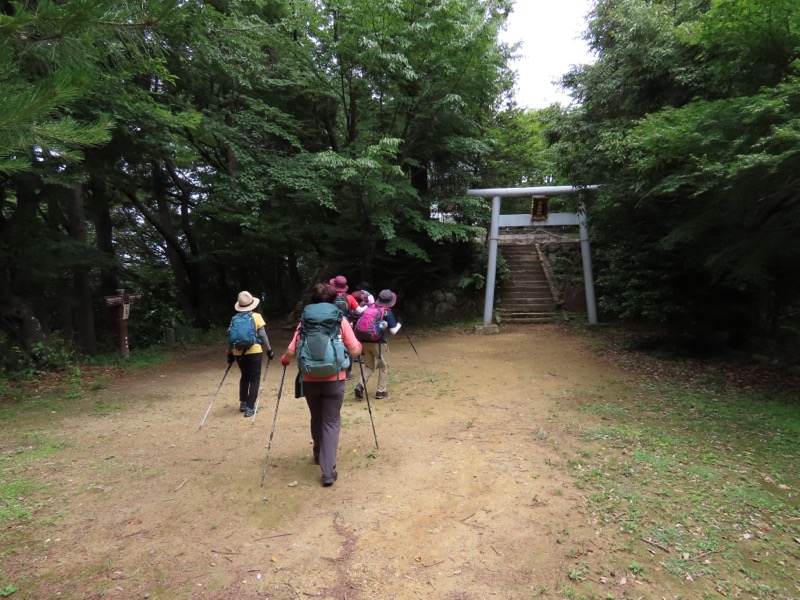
[[324, 394], [363, 296], [247, 338], [375, 356], [347, 304]]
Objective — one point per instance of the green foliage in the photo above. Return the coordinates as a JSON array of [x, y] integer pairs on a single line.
[[689, 120], [190, 150], [49, 52], [520, 156], [52, 355]]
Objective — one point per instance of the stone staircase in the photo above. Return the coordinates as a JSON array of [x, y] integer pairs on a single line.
[[526, 297]]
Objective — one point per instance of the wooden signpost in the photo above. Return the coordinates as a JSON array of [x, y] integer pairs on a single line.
[[123, 301]]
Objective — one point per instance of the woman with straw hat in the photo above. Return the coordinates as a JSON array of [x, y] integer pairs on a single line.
[[249, 358]]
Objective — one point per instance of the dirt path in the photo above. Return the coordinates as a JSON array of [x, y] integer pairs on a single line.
[[467, 497]]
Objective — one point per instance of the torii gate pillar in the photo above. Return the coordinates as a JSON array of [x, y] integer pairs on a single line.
[[518, 220]]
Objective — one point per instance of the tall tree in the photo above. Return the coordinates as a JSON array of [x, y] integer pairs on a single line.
[[406, 91], [688, 119], [52, 55]]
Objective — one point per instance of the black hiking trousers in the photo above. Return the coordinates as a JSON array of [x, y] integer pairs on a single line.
[[250, 367]]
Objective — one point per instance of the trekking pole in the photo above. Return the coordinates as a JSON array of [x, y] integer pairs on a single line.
[[369, 408], [215, 396], [408, 337], [275, 418], [258, 396]]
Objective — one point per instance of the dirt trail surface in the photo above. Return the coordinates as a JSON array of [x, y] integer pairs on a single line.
[[466, 498]]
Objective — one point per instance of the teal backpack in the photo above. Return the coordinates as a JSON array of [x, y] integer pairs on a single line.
[[242, 331], [343, 304], [320, 349]]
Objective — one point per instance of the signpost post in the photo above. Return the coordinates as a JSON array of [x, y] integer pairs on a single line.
[[123, 301]]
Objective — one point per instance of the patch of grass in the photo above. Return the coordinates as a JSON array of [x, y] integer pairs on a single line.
[[604, 410], [103, 408], [636, 568], [12, 500], [616, 435], [35, 446], [701, 480], [138, 359], [578, 573], [14, 410], [97, 385]]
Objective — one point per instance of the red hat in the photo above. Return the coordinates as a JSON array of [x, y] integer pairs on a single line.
[[339, 283]]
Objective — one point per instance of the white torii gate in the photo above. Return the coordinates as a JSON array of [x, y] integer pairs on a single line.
[[553, 219]]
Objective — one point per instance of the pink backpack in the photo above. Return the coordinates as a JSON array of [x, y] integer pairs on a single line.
[[368, 325]]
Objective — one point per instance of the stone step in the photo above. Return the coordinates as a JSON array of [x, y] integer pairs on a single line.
[[531, 272], [525, 285], [522, 279], [532, 262], [526, 297], [528, 306], [521, 258], [533, 286], [543, 296], [522, 293], [526, 317]]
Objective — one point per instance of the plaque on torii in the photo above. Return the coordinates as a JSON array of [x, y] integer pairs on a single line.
[[123, 301]]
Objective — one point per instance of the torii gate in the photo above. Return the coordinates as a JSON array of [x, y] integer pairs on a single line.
[[553, 219]]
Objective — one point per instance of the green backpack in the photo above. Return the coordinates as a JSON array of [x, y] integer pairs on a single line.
[[320, 350]]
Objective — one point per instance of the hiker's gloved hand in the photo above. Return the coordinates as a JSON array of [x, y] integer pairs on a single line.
[[270, 354], [230, 358], [284, 361]]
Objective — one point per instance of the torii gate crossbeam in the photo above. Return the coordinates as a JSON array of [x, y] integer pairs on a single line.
[[553, 219]]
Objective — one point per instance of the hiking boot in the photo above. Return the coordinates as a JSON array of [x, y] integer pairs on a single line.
[[328, 481], [242, 406], [381, 395], [359, 391], [249, 412]]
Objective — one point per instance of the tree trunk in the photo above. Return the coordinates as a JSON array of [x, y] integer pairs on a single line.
[[18, 290], [83, 310], [19, 319], [99, 207]]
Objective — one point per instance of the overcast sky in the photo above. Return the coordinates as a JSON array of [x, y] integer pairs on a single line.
[[550, 32]]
